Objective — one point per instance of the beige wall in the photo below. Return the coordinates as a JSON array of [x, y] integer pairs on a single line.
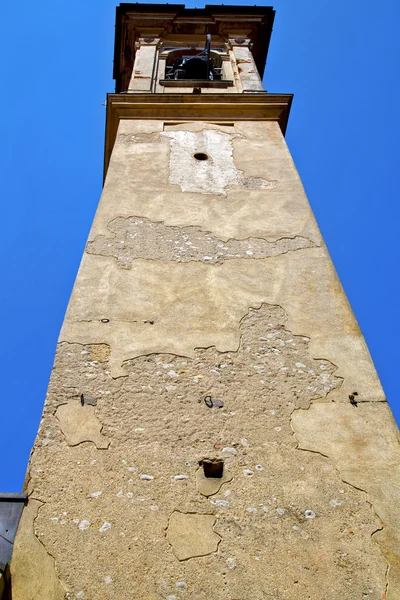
[[210, 278]]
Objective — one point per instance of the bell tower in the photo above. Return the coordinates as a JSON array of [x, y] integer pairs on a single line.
[[214, 427]]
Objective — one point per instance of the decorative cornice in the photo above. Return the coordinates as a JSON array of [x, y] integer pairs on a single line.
[[193, 107]]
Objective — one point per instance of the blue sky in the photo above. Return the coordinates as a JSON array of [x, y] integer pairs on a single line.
[[340, 59]]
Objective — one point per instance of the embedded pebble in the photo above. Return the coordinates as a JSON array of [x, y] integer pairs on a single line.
[[172, 597], [218, 403], [251, 509], [84, 524], [280, 511], [248, 472], [229, 450], [107, 580], [309, 514], [231, 563], [95, 494], [180, 477], [104, 527], [146, 477], [154, 507], [220, 502], [335, 503], [259, 467], [80, 594], [181, 584], [129, 495], [119, 494]]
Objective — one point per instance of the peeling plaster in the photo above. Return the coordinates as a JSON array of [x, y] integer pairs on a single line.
[[151, 341], [160, 430], [138, 237], [164, 306], [137, 183]]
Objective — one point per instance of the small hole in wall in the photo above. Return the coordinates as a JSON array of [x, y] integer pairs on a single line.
[[212, 467], [200, 156]]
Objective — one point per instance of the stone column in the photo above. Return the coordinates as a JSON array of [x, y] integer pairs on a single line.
[[145, 65], [246, 67]]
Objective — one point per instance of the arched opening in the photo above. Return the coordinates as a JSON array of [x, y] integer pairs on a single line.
[[190, 63]]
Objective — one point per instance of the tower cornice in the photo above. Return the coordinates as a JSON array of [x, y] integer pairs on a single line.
[[189, 107]]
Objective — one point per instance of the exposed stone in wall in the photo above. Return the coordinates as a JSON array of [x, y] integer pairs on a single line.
[[138, 237], [287, 525]]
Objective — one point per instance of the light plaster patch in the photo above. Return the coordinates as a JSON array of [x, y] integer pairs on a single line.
[[363, 443], [192, 535], [80, 424], [211, 176], [138, 237]]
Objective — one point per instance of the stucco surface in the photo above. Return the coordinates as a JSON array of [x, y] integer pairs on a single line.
[[139, 171], [366, 457], [210, 324], [33, 570], [175, 307], [286, 523]]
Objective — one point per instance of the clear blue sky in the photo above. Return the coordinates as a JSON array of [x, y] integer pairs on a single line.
[[340, 59]]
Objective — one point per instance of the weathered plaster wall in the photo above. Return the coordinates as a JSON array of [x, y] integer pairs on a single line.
[[207, 322]]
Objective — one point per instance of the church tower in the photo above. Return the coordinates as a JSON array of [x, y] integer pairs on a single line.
[[214, 427]]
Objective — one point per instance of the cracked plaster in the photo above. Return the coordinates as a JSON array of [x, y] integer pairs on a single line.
[[160, 428], [80, 424], [352, 438], [34, 579], [208, 486], [192, 535], [171, 307]]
